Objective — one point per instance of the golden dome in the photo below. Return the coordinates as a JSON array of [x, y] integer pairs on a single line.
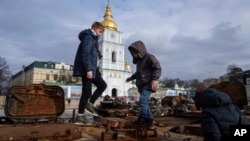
[[108, 22], [127, 66]]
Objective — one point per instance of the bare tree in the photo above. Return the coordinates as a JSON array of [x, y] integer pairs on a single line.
[[168, 82], [234, 72], [233, 68], [196, 85], [4, 75]]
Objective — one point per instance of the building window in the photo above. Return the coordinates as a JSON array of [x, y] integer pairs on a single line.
[[47, 76], [113, 56], [55, 76], [114, 92]]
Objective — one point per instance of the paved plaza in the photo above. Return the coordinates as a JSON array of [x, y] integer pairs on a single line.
[[68, 112]]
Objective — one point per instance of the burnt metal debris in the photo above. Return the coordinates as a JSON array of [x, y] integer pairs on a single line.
[[113, 108], [33, 112], [167, 106], [34, 101]]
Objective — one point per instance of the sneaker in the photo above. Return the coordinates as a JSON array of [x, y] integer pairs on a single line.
[[149, 123], [140, 122], [82, 120], [91, 110]]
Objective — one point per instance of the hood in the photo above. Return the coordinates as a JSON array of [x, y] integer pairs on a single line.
[[86, 32], [140, 47], [212, 98]]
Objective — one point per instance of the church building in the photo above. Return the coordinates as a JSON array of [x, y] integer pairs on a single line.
[[113, 66]]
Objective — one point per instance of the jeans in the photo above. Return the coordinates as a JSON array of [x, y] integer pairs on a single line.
[[87, 91], [145, 110]]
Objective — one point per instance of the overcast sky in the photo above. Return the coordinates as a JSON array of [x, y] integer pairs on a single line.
[[192, 39]]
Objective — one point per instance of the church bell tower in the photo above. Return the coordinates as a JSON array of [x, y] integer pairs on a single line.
[[113, 66]]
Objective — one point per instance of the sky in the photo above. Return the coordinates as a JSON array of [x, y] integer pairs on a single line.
[[192, 39]]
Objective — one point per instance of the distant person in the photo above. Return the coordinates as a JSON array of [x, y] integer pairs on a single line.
[[85, 65], [148, 72], [125, 100], [69, 100], [218, 113]]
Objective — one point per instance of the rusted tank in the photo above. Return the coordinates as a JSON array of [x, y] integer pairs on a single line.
[[236, 90], [34, 101], [33, 104], [112, 107], [181, 103]]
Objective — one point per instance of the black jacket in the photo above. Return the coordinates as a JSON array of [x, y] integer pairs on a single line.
[[148, 67], [218, 113], [87, 54]]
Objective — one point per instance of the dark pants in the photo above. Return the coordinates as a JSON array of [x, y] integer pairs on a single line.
[[87, 90]]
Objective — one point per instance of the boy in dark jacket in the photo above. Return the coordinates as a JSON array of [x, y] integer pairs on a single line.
[[148, 72], [85, 66], [218, 113]]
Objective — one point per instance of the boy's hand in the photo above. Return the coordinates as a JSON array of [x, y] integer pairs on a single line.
[[89, 75], [128, 79], [154, 85]]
